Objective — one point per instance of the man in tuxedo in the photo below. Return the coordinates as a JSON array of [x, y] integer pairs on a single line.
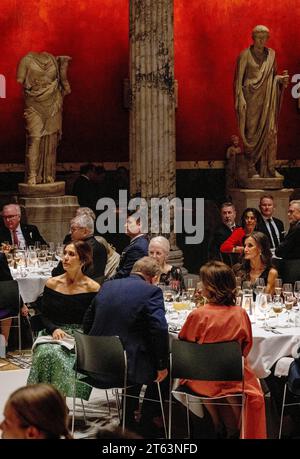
[[222, 232], [85, 188], [17, 233], [289, 248], [137, 248], [269, 225], [133, 309], [82, 228]]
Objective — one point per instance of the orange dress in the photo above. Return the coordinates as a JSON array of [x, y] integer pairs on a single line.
[[217, 323]]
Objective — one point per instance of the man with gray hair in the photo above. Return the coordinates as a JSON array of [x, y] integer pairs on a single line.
[[289, 248], [15, 232], [82, 228], [133, 309]]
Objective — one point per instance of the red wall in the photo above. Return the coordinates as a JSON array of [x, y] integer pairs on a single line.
[[209, 35], [95, 34]]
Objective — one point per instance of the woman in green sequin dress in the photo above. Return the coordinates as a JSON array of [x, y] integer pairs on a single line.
[[65, 300]]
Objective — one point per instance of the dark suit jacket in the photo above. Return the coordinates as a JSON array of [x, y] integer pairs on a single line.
[[263, 228], [133, 310], [137, 249], [30, 232], [99, 261], [4, 268], [220, 235], [289, 248], [84, 189]]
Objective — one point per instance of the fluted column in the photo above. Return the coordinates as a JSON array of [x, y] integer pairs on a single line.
[[152, 100]]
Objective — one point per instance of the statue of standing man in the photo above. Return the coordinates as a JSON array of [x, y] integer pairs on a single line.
[[258, 96], [44, 80]]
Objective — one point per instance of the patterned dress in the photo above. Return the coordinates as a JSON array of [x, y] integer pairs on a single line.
[[53, 363]]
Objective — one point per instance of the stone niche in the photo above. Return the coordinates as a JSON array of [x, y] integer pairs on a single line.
[[51, 214]]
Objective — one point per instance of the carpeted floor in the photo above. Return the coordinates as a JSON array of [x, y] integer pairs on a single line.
[[15, 361]]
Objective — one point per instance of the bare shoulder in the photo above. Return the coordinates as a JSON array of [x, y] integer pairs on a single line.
[[53, 282], [92, 286]]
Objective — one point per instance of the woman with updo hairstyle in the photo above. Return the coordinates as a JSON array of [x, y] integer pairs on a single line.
[[257, 262], [37, 411], [64, 303], [159, 249], [220, 319]]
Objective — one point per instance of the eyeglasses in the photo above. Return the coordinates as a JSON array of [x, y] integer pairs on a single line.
[[75, 228], [9, 217]]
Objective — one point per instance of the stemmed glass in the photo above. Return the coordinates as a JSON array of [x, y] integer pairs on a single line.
[[277, 307], [264, 305], [190, 289], [288, 303], [278, 286], [259, 285], [297, 292], [287, 289]]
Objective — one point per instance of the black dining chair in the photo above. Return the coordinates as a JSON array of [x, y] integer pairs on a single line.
[[103, 360], [206, 362], [10, 300]]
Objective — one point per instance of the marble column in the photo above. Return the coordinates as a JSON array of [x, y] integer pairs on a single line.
[[152, 104]]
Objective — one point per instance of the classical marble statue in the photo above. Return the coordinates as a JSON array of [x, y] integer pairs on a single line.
[[231, 162], [44, 80], [258, 95]]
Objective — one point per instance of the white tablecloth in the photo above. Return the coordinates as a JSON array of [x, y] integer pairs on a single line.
[[32, 285], [267, 348]]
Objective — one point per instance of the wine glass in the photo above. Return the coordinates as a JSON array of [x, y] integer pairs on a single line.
[[287, 289], [264, 305], [259, 285], [288, 304], [278, 286], [297, 292], [32, 259], [277, 307], [190, 289]]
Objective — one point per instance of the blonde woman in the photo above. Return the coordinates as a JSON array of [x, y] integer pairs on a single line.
[[159, 249]]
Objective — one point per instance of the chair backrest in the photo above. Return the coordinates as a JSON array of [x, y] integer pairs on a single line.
[[207, 362], [9, 296], [101, 357]]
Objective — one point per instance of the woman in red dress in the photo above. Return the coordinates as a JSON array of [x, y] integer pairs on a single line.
[[221, 320]]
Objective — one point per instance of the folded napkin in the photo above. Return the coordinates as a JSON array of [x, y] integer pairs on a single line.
[[69, 343]]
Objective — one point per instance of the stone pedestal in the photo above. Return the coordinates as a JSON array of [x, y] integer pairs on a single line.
[[42, 189], [51, 215], [264, 183], [243, 198]]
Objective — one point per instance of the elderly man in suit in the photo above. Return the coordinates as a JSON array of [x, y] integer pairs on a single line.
[[15, 232], [289, 248], [82, 228], [133, 309], [269, 225], [137, 248]]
